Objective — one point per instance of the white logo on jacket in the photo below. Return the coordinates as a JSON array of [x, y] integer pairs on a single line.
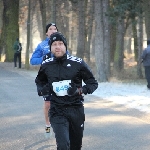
[[47, 60], [68, 65], [73, 58]]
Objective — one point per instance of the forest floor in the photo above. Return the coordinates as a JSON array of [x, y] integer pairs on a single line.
[[128, 74]]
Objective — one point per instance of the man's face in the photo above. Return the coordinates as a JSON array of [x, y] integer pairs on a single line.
[[58, 48], [51, 30]]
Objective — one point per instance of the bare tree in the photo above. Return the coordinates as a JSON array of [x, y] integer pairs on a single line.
[[10, 21], [1, 15], [73, 26], [1, 24], [146, 8], [43, 14], [119, 53], [106, 31], [99, 41], [27, 66], [81, 30], [89, 26], [53, 11], [140, 44]]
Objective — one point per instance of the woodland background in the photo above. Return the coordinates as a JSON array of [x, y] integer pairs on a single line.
[[108, 34]]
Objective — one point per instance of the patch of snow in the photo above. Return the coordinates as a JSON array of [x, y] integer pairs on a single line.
[[130, 94]]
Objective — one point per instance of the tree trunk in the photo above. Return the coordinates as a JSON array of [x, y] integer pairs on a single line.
[[10, 29], [134, 30], [119, 51], [53, 11], [73, 28], [112, 42], [99, 41], [27, 66], [81, 31], [1, 16], [140, 46], [89, 26], [1, 24], [106, 38], [146, 8], [63, 17], [43, 15]]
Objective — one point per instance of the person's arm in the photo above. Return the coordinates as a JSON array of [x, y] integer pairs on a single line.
[[37, 56], [144, 54], [41, 81], [86, 75]]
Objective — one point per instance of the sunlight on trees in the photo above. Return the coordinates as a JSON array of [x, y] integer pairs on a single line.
[[105, 33]]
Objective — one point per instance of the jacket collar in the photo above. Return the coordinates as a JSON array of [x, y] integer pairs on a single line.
[[61, 59]]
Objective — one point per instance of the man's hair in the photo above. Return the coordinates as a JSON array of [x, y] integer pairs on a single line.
[[50, 24], [57, 36]]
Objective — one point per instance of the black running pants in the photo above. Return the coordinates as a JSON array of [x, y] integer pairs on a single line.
[[68, 128]]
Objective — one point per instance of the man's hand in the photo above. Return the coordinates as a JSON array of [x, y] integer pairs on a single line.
[[73, 90]]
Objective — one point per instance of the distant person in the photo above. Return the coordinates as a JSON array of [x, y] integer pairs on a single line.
[[146, 62], [17, 53], [36, 59], [61, 77]]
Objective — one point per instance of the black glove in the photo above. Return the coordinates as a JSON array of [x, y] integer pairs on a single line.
[[45, 91], [73, 90]]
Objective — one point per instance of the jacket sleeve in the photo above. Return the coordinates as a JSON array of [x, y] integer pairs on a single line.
[[37, 56], [144, 54], [91, 83], [41, 80]]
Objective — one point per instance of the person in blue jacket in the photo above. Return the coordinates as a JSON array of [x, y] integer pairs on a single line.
[[146, 63], [36, 59]]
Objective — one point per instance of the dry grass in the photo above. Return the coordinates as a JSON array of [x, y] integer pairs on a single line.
[[128, 74]]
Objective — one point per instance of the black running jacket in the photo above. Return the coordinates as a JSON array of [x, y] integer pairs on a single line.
[[70, 68]]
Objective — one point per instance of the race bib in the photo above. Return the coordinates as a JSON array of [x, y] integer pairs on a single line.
[[61, 87]]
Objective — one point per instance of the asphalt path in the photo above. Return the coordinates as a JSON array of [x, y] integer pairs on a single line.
[[108, 126]]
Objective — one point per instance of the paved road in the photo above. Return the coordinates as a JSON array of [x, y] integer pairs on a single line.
[[108, 126]]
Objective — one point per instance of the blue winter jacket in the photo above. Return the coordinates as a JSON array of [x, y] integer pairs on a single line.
[[146, 56], [41, 50]]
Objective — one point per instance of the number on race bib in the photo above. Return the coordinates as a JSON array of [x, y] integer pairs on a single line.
[[61, 87], [65, 87]]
